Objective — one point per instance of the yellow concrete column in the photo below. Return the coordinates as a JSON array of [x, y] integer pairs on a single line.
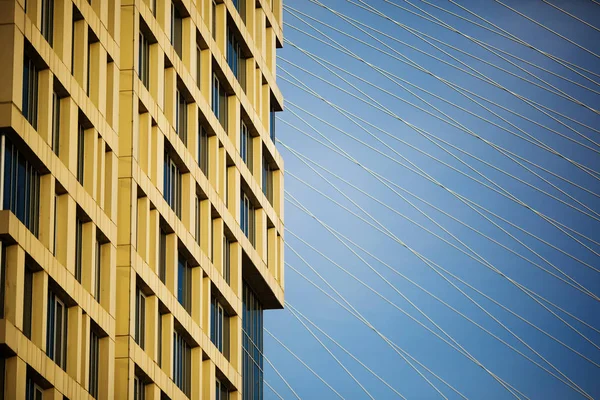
[[213, 161], [101, 9], [170, 87], [15, 278], [172, 254], [218, 244], [65, 245], [157, 66], [127, 194], [34, 12], [196, 384], [85, 351], [154, 245], [207, 74], [167, 344], [206, 293], [129, 37], [88, 256], [143, 231], [197, 277], [123, 375], [270, 49], [111, 173], [125, 291], [112, 94], [235, 345], [128, 126], [108, 296], [80, 45], [98, 75], [75, 342], [221, 34], [15, 378], [101, 172], [233, 120], [260, 232], [205, 228], [235, 254], [192, 130], [38, 312], [144, 146], [163, 15], [251, 81], [63, 25], [69, 117], [46, 216], [233, 192], [278, 192], [259, 31], [90, 161], [151, 328], [11, 45], [222, 165], [106, 369], [44, 120], [208, 379], [250, 18], [188, 44], [265, 107], [188, 199], [272, 256], [256, 167], [53, 394]]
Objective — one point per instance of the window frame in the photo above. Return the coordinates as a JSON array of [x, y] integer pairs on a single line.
[[140, 318], [144, 59], [57, 350], [94, 363]]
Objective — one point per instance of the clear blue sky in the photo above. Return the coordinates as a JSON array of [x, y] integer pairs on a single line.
[[458, 371]]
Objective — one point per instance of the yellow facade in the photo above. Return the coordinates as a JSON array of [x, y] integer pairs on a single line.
[[142, 195]]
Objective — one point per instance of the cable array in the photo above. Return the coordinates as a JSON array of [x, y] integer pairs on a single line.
[[442, 201]]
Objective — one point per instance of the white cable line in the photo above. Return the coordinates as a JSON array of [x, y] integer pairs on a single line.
[[454, 66], [454, 156], [505, 34], [455, 87], [344, 350], [291, 310], [416, 32], [303, 363], [473, 359], [400, 155], [347, 115], [482, 43], [548, 29], [273, 389], [428, 134], [459, 197], [347, 239], [366, 323], [514, 38], [571, 15], [573, 386], [278, 373], [460, 108], [486, 78], [516, 284], [496, 54], [462, 91], [303, 157]]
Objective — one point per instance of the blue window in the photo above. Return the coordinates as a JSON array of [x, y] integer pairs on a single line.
[[30, 91], [172, 185], [252, 342], [272, 125], [182, 363], [56, 331], [219, 327], [219, 101], [184, 284], [21, 187]]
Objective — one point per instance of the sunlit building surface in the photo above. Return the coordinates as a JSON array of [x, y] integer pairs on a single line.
[[141, 219]]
